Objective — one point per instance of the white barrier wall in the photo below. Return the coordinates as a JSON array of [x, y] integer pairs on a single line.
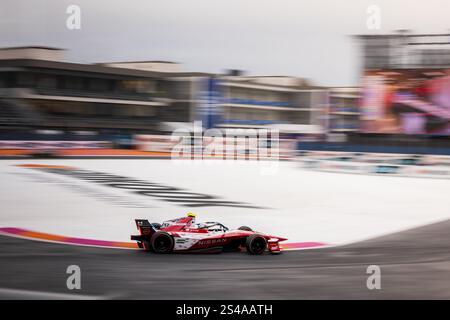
[[20, 144], [261, 148], [154, 143], [427, 166]]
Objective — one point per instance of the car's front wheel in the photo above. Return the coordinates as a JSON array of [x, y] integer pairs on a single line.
[[162, 242], [256, 244]]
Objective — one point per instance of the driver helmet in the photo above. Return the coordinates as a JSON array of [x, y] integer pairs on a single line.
[[192, 215]]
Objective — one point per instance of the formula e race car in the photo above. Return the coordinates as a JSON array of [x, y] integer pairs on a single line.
[[184, 235]]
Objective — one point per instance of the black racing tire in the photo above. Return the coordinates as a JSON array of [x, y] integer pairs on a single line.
[[256, 244], [245, 228], [156, 225], [162, 242]]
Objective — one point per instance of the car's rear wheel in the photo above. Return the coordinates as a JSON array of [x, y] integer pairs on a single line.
[[162, 242], [245, 228], [256, 244]]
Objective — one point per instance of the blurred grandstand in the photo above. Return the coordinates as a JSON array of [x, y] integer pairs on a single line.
[[43, 97], [39, 90], [403, 105]]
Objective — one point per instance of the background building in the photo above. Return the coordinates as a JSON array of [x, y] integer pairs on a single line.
[[405, 50], [344, 110], [38, 89], [290, 104]]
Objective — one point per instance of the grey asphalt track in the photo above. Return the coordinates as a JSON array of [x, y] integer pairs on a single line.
[[414, 264]]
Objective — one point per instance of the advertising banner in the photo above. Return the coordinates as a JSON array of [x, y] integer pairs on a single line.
[[209, 103], [410, 101]]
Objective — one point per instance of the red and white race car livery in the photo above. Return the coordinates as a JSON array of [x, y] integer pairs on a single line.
[[184, 235]]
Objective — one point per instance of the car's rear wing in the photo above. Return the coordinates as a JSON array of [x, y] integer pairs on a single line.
[[146, 229]]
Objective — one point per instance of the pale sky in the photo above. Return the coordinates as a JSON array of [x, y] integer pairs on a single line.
[[305, 38]]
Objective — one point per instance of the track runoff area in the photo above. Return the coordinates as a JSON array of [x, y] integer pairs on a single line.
[[85, 210]]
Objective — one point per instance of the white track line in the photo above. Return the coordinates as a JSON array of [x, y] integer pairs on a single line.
[[18, 294]]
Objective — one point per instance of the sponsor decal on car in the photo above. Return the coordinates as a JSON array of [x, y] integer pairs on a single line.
[[212, 241]]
